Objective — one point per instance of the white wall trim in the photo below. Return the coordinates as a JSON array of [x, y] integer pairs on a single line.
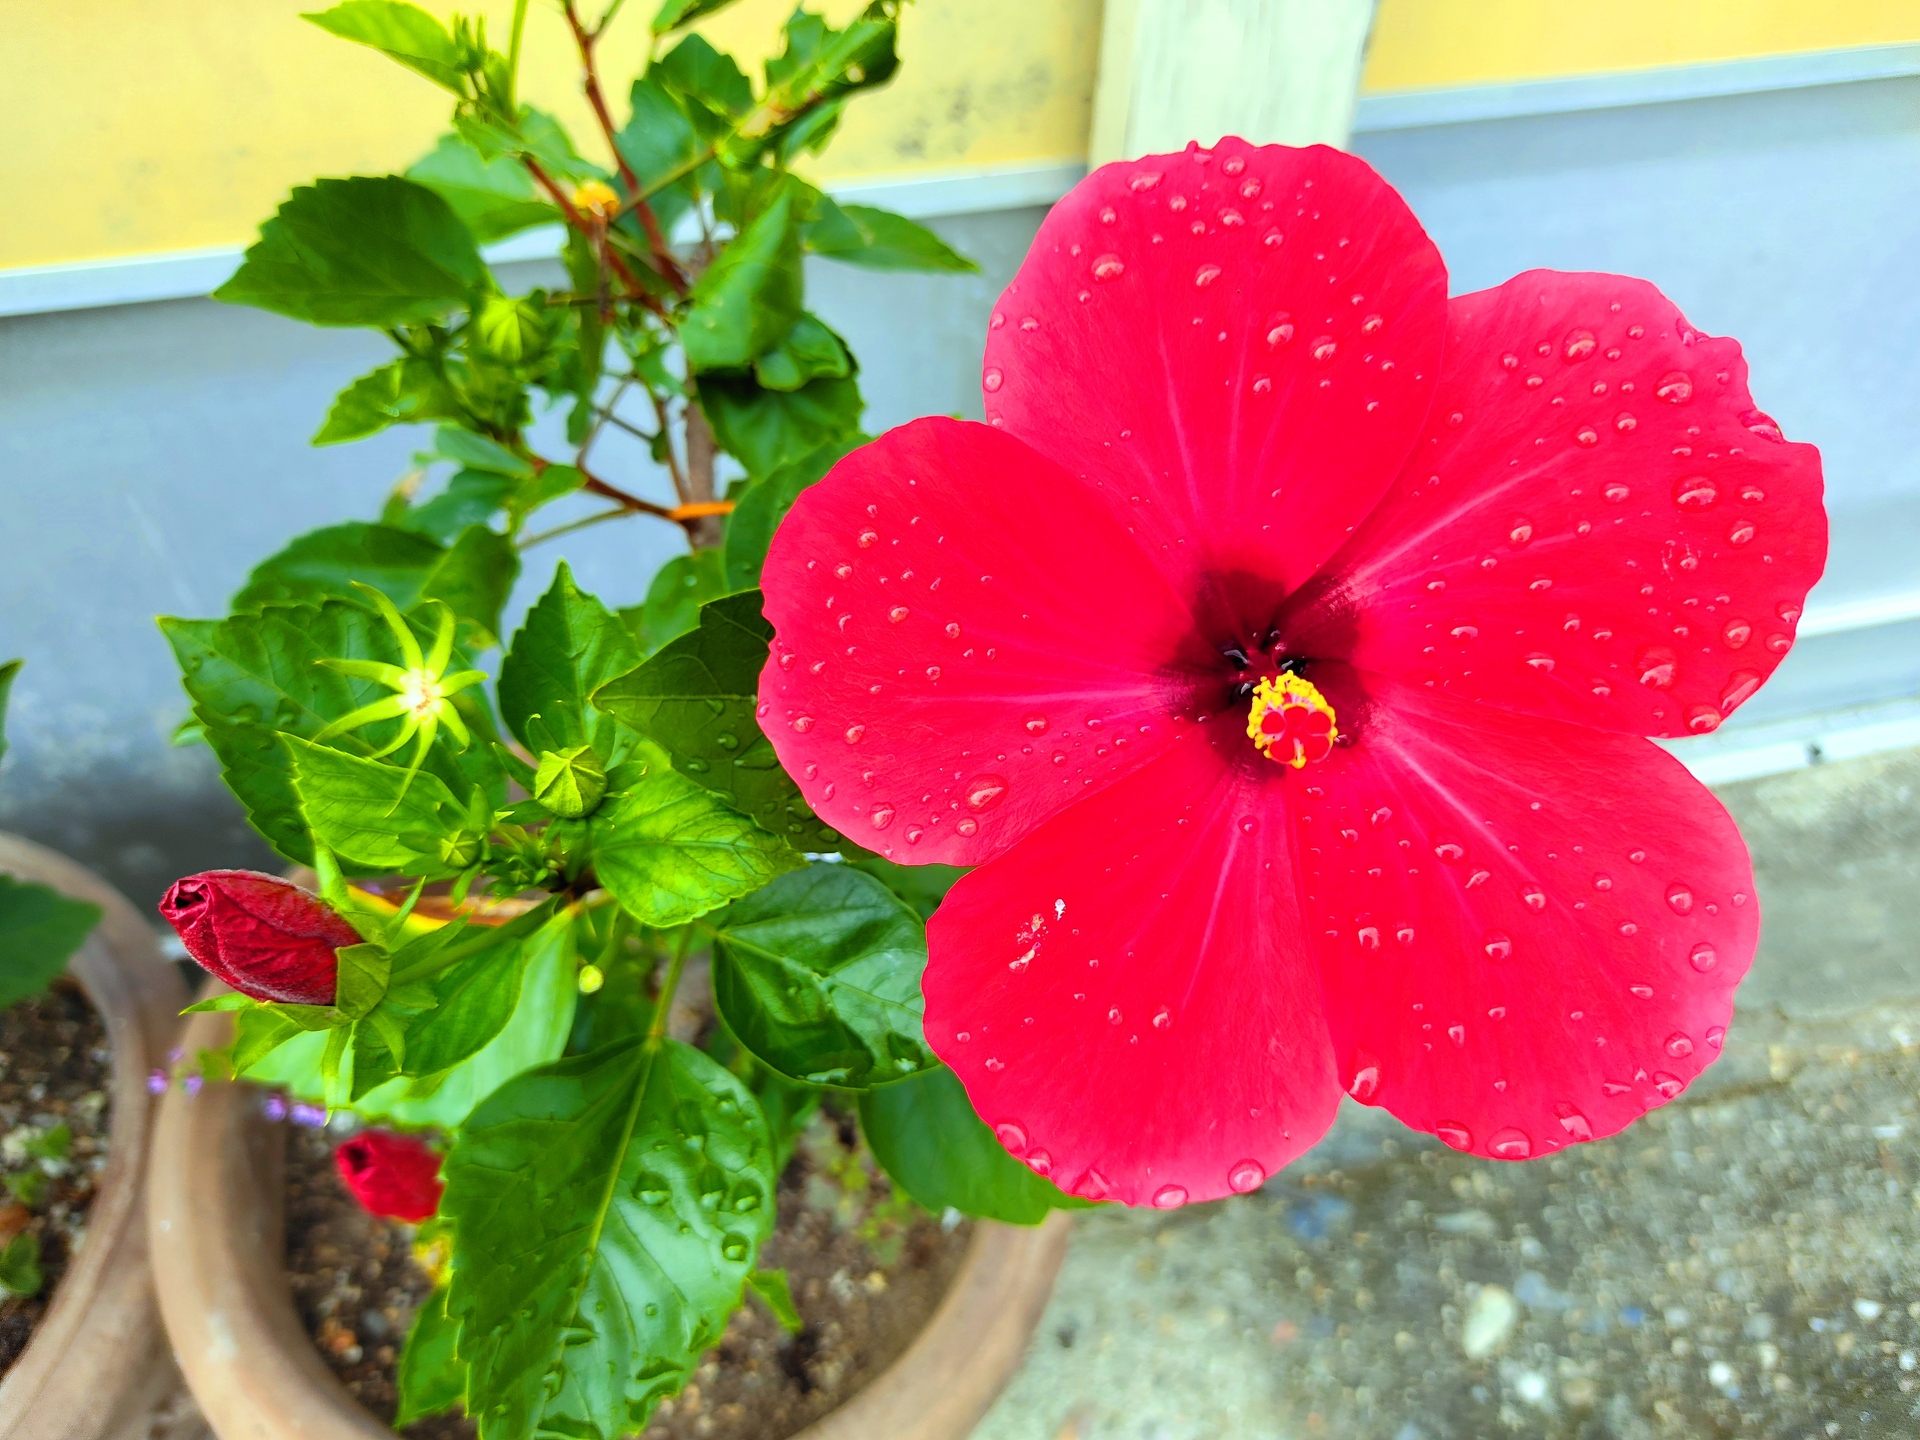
[[1777, 746], [1452, 105]]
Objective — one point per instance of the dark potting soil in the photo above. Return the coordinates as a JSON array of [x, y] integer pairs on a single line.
[[866, 1270], [54, 1071]]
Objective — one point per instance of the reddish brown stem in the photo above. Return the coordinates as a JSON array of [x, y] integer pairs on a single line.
[[662, 257], [594, 231], [702, 451]]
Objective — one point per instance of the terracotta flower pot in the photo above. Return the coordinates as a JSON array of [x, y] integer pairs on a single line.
[[98, 1364], [218, 1243]]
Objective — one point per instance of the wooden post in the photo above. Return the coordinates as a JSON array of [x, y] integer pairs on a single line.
[[1269, 71]]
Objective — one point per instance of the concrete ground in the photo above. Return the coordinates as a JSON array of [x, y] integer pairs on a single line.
[[1744, 1262]]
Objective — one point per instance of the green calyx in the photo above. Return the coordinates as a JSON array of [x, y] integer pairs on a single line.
[[570, 782]]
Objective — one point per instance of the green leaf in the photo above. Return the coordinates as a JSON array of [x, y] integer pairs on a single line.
[[323, 564], [672, 607], [476, 995], [494, 198], [431, 1380], [881, 240], [806, 352], [253, 676], [364, 974], [20, 1273], [921, 886], [402, 392], [39, 930], [606, 1210], [472, 497], [675, 13], [372, 814], [749, 298], [697, 697], [808, 82], [473, 579], [697, 71], [818, 974], [658, 140], [7, 671], [771, 1286], [925, 1135], [512, 328], [669, 850], [405, 32], [758, 513], [477, 452], [535, 1034], [569, 645], [371, 250], [765, 429]]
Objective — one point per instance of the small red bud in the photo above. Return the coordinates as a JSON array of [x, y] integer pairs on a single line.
[[392, 1175], [264, 936]]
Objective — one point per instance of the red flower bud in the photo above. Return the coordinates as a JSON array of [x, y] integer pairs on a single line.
[[264, 936], [392, 1175]]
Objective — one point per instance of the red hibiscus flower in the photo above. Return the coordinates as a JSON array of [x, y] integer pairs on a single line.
[[1281, 653], [264, 936], [391, 1175]]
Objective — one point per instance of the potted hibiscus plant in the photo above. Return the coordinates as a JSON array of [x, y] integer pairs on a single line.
[[564, 855], [1283, 652]]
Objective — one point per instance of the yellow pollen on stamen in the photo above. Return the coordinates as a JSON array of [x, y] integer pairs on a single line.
[[1284, 744], [421, 692], [597, 198]]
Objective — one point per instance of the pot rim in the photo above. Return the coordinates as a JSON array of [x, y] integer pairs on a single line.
[[217, 1232], [98, 1355]]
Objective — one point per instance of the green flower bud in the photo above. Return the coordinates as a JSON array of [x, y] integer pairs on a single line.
[[465, 848], [511, 329], [570, 782]]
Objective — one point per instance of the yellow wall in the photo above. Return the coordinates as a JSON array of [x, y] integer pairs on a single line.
[[1423, 43], [151, 125]]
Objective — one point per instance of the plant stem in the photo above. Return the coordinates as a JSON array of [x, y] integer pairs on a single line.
[[593, 231], [513, 54], [702, 451], [619, 512], [649, 222], [673, 459], [676, 966]]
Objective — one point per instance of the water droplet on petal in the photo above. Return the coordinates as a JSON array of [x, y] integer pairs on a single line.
[[1035, 724], [1680, 898], [1509, 1144], [1675, 387], [1457, 1034], [854, 732], [1668, 1085], [1587, 437], [1535, 897], [881, 816], [1163, 1019], [1740, 533], [1520, 532], [1145, 180], [1449, 853], [1703, 957], [1577, 1126], [1247, 1175], [968, 826], [1716, 1035], [1654, 664], [1694, 492], [1170, 1197], [1324, 349], [867, 538], [1011, 1136], [803, 723], [993, 380], [1678, 1046], [1498, 945], [1452, 1132], [1365, 1084], [1109, 267], [1578, 345], [985, 791], [1205, 276], [1640, 992]]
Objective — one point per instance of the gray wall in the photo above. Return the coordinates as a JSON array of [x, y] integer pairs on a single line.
[[150, 454]]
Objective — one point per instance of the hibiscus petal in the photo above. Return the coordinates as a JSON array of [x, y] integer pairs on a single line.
[[966, 640], [1128, 993], [1529, 932], [1599, 526], [1237, 347]]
